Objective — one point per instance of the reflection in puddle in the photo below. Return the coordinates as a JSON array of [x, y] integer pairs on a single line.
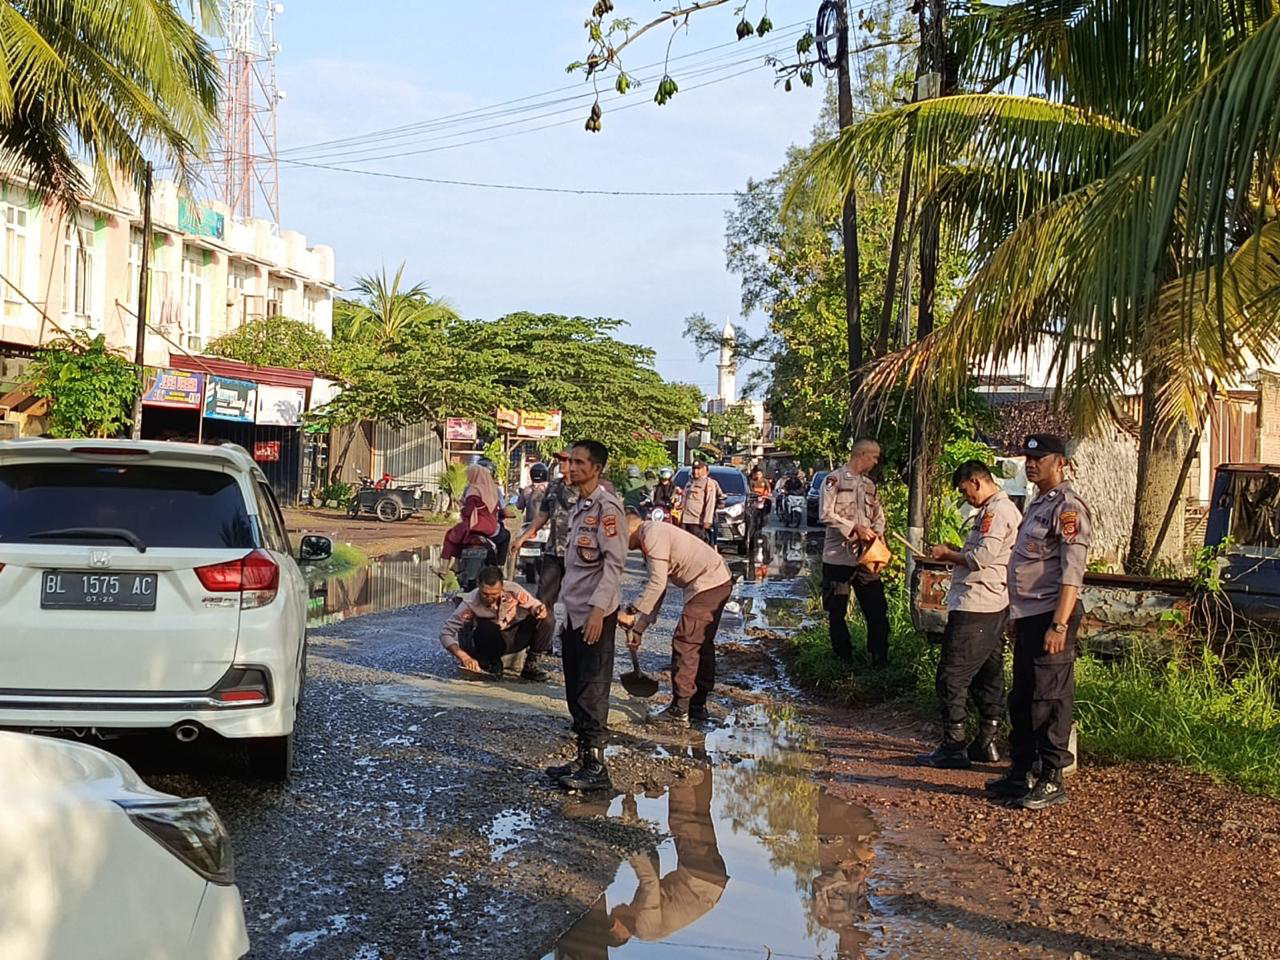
[[387, 583], [761, 861]]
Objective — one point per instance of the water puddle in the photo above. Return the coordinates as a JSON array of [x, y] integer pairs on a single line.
[[760, 860], [387, 583], [506, 831]]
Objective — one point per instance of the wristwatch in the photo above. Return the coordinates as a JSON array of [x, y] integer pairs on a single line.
[[1058, 627]]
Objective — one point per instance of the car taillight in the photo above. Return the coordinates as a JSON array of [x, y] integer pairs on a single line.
[[188, 829], [255, 577], [243, 686]]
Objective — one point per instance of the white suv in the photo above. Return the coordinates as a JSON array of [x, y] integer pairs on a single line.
[[148, 586]]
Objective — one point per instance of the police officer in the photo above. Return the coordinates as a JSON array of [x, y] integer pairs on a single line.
[[854, 518], [972, 658], [553, 508], [702, 498], [1045, 576], [593, 566]]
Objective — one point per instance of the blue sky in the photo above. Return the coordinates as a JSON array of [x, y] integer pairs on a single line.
[[349, 69]]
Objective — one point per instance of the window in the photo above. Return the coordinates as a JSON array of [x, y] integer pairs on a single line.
[[309, 309], [78, 271], [270, 520], [237, 293], [15, 258], [193, 305], [275, 300]]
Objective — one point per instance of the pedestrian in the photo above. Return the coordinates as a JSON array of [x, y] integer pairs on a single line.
[[702, 498], [972, 659], [592, 581], [854, 518], [1046, 572], [554, 509], [496, 619], [676, 556]]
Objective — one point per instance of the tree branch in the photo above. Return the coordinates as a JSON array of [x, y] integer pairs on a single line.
[[668, 16]]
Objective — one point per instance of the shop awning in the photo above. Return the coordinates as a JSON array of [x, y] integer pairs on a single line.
[[235, 370]]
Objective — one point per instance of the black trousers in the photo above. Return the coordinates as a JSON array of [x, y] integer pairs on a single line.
[[972, 662], [549, 580], [488, 643], [501, 544], [869, 589], [588, 675], [1044, 693]]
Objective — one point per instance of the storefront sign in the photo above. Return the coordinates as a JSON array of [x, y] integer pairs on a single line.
[[198, 221], [226, 399], [281, 406], [456, 429], [533, 424], [175, 388], [264, 450]]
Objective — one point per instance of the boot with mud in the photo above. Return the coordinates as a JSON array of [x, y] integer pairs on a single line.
[[670, 718], [532, 672], [561, 770], [951, 754], [1014, 785], [1048, 791], [592, 776], [983, 749]]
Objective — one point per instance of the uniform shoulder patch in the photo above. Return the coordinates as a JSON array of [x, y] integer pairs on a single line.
[[585, 541], [468, 614], [831, 480], [987, 519], [590, 521], [610, 525], [1070, 523]]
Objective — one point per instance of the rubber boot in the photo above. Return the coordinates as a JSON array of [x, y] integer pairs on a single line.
[[592, 776], [1048, 791], [1014, 785], [531, 671], [983, 749], [950, 754], [572, 767]]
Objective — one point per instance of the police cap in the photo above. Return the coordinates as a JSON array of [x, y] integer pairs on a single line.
[[1039, 444]]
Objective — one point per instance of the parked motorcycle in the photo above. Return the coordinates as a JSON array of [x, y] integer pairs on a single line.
[[384, 500]]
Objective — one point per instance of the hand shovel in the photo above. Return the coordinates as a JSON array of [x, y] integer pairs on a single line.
[[636, 683]]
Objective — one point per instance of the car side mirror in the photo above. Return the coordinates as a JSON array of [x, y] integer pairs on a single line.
[[315, 548]]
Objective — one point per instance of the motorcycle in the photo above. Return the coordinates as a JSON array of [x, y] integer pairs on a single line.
[[384, 500], [794, 515], [479, 553], [530, 558]]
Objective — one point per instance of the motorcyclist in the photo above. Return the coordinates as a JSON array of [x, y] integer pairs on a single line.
[[795, 485], [664, 493], [634, 492], [531, 496]]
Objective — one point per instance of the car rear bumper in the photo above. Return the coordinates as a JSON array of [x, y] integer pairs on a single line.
[[218, 932], [85, 714]]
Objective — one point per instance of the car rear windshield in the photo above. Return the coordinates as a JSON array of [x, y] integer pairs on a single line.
[[160, 506], [731, 481]]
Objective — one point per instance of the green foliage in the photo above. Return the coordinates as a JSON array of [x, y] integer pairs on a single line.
[[90, 388], [453, 480], [385, 313], [118, 83], [278, 342], [339, 491], [735, 428]]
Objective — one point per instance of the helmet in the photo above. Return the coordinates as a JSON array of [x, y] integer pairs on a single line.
[[634, 472], [665, 473], [488, 465], [538, 473]]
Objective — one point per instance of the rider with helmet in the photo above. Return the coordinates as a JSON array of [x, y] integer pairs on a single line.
[[634, 492], [664, 493], [530, 498]]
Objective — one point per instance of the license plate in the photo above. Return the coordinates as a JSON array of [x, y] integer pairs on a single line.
[[83, 590]]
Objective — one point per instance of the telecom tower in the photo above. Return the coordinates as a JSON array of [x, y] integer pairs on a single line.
[[247, 170]]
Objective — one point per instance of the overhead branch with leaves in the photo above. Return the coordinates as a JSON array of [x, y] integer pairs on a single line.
[[89, 387]]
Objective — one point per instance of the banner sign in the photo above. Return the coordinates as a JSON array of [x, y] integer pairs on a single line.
[[175, 388], [264, 450], [226, 399], [281, 406], [198, 221], [533, 424], [456, 429]]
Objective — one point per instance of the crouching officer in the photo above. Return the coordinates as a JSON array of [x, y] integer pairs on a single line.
[[1046, 573], [593, 564], [972, 658], [676, 556], [502, 618]]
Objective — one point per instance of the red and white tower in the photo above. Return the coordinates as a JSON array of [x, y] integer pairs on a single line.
[[247, 172]]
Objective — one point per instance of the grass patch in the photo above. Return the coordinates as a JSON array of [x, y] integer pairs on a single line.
[[345, 558]]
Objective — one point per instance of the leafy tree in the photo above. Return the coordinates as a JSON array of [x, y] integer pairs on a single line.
[[385, 311], [116, 81], [90, 388], [735, 427], [278, 342], [1124, 210]]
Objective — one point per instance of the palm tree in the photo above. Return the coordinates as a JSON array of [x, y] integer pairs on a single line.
[[385, 311], [115, 81], [1125, 209]]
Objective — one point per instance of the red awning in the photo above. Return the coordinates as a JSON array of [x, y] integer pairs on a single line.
[[235, 370]]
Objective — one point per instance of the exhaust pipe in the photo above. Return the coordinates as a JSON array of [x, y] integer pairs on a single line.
[[186, 732]]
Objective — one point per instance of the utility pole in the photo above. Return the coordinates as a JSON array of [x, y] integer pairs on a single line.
[[144, 278], [934, 75]]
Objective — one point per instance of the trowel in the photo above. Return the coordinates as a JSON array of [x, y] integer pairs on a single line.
[[635, 682]]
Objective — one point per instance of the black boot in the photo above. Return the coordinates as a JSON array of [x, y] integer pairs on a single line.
[[592, 776], [950, 754], [1048, 791], [669, 718], [572, 767], [983, 749], [698, 713], [531, 671], [1014, 785]]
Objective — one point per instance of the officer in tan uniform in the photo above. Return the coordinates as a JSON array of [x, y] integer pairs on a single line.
[[972, 660], [1046, 573], [702, 497], [854, 518], [597, 553]]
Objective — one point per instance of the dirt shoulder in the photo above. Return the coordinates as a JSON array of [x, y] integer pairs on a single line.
[[371, 536], [1145, 862]]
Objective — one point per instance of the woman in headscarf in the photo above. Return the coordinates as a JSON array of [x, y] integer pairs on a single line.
[[481, 516]]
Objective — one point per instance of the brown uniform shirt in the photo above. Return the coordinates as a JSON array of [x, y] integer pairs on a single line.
[[516, 604], [595, 556], [981, 583], [701, 497], [848, 500], [1051, 552], [676, 556]]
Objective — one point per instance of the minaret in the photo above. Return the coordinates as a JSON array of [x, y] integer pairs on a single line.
[[728, 367]]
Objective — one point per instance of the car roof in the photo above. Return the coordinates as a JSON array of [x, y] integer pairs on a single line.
[[225, 455]]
